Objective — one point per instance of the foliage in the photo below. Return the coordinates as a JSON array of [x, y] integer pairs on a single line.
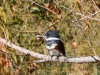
[[78, 25]]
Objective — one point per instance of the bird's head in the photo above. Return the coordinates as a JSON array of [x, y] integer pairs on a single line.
[[50, 34]]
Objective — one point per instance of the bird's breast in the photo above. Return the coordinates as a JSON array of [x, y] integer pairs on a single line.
[[51, 44]]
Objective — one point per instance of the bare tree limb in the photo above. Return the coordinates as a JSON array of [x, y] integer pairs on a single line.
[[48, 58], [88, 17], [84, 16], [95, 5]]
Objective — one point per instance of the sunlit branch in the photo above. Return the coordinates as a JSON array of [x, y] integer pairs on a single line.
[[49, 58]]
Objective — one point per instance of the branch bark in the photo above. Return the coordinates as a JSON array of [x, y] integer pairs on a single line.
[[46, 58]]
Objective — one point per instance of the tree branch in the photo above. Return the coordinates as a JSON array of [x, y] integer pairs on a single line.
[[48, 58]]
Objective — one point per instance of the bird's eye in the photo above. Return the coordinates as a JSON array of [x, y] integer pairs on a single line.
[[46, 34]]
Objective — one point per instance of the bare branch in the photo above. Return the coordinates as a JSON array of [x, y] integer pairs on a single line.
[[87, 59], [84, 16], [95, 5], [88, 17], [48, 58]]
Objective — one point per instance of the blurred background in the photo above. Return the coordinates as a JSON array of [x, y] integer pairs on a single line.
[[78, 23]]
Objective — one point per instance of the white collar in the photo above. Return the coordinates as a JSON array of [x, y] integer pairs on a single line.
[[52, 38]]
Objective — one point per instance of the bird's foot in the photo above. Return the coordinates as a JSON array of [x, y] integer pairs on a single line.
[[54, 58]]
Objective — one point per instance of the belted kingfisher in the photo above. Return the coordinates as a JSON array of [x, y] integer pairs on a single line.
[[53, 43]]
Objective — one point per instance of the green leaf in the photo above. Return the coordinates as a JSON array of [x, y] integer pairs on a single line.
[[14, 58], [3, 15]]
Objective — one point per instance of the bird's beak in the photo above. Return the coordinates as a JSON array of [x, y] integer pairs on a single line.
[[40, 36]]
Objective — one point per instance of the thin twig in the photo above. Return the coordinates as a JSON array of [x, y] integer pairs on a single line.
[[95, 13], [82, 14], [3, 29], [86, 37], [88, 17], [95, 5], [39, 61]]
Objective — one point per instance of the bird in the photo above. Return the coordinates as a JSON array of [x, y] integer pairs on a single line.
[[53, 43]]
